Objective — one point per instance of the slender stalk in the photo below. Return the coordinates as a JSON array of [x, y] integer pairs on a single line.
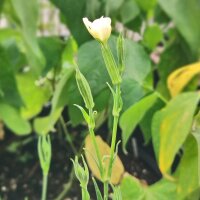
[[105, 190], [85, 194], [97, 150], [113, 143], [44, 186], [114, 133], [116, 110], [62, 122]]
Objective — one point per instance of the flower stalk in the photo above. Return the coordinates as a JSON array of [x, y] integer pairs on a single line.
[[44, 152], [100, 29]]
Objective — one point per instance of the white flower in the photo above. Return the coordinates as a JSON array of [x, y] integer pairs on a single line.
[[100, 28]]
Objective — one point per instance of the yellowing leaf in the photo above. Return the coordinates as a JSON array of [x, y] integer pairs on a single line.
[[171, 126], [181, 77], [118, 168]]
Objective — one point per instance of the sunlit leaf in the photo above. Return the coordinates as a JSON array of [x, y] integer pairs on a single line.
[[179, 78], [186, 175], [43, 125], [118, 168], [33, 104], [147, 5], [196, 134], [152, 36], [132, 188], [13, 120], [171, 126]]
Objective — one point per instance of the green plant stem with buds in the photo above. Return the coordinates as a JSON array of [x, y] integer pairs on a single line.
[[115, 75], [44, 152], [116, 111]]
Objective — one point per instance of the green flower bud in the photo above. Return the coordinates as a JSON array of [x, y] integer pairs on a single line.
[[111, 66], [82, 173], [44, 151], [84, 89]]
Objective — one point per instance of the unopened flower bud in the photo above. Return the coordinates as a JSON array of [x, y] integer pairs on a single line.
[[111, 65], [100, 28], [84, 89]]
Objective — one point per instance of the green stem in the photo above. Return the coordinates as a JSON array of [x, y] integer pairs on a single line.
[[114, 132], [44, 186], [85, 194], [113, 143], [91, 131], [105, 190], [97, 151], [69, 139]]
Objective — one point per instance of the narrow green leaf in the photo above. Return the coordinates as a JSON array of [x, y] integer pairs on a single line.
[[132, 116], [98, 192]]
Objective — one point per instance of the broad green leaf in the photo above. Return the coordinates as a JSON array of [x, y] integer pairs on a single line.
[[147, 5], [43, 125], [196, 134], [25, 16], [52, 48], [92, 8], [8, 86], [1, 5], [112, 6], [69, 53], [13, 120], [171, 126], [194, 195], [133, 115], [34, 96], [131, 188], [162, 189], [181, 77], [186, 174], [12, 42], [89, 55], [152, 36], [137, 69], [73, 11], [146, 121], [176, 54], [188, 26], [90, 153], [60, 95], [129, 11]]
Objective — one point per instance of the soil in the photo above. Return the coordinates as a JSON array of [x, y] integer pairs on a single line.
[[21, 177]]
